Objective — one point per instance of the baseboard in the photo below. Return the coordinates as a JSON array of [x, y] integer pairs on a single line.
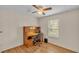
[[62, 47], [11, 48]]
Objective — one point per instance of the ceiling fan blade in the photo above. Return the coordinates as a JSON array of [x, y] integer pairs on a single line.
[[34, 11], [35, 6], [45, 9], [43, 13]]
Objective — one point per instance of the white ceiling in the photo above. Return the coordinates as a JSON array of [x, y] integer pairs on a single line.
[[29, 9], [57, 9]]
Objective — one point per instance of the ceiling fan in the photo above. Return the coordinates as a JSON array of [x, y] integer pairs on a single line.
[[41, 9]]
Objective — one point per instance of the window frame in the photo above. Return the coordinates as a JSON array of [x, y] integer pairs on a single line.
[[54, 36]]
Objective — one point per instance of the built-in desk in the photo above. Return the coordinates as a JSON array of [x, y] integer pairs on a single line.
[[29, 33]]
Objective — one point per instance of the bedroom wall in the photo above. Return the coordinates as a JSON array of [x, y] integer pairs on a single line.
[[11, 24], [69, 29]]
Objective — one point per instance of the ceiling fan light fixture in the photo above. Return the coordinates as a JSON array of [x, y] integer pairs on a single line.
[[39, 12]]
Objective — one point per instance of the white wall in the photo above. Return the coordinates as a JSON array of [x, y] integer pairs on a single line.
[[11, 24], [69, 29]]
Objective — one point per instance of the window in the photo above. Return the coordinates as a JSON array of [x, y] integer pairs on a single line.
[[53, 28]]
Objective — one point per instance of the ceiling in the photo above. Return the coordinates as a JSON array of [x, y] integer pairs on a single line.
[[29, 9], [57, 9]]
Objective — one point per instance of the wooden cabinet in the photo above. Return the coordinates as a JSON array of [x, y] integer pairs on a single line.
[[28, 33]]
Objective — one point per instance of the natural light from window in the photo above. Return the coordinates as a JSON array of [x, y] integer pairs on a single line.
[[53, 28]]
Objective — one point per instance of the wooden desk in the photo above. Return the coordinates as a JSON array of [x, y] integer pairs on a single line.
[[27, 32]]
